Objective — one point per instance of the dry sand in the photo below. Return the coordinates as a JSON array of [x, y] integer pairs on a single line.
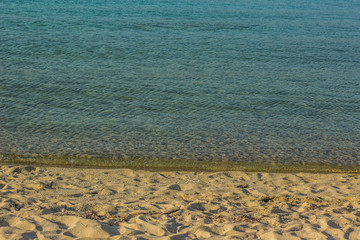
[[73, 203]]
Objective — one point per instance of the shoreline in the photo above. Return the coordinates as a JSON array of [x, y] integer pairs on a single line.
[[44, 202], [160, 164]]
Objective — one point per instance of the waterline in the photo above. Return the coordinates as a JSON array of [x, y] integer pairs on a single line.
[[158, 164]]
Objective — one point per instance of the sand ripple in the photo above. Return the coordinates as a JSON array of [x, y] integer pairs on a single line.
[[65, 203]]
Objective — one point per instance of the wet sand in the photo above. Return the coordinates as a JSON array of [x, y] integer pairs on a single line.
[[75, 203]]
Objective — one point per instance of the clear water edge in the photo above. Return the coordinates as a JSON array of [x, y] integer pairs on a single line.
[[158, 164]]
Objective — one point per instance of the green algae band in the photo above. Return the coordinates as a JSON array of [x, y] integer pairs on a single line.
[[176, 164]]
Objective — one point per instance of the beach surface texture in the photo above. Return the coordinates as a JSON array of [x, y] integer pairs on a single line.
[[75, 203]]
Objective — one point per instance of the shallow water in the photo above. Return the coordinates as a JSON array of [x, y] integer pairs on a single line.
[[243, 82]]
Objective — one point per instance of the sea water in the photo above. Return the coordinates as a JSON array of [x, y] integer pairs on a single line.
[[190, 82]]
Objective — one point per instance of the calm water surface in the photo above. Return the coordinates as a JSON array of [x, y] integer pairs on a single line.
[[242, 82]]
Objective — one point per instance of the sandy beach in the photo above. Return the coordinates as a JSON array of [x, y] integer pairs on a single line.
[[76, 203]]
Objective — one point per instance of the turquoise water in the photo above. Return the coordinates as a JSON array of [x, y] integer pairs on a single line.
[[242, 82]]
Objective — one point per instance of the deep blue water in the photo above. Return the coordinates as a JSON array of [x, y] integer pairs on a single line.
[[241, 81]]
